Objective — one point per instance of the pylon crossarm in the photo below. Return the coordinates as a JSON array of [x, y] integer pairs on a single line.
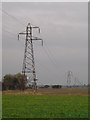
[[36, 38], [21, 34], [37, 28]]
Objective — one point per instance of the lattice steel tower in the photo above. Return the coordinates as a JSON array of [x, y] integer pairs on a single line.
[[69, 77], [28, 61]]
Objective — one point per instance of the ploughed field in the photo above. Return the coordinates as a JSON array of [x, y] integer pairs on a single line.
[[46, 103]]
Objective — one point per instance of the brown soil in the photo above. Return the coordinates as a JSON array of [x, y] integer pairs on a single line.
[[50, 91]]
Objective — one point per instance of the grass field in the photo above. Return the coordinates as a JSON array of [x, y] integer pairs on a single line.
[[44, 106]]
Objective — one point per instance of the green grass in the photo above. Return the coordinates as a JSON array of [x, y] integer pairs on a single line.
[[0, 105], [29, 106]]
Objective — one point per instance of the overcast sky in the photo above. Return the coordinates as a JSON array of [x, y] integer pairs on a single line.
[[64, 29]]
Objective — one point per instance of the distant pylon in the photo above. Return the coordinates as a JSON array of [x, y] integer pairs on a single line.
[[28, 61], [77, 82], [69, 77]]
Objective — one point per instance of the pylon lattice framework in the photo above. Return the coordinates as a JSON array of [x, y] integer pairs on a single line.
[[69, 77], [28, 61]]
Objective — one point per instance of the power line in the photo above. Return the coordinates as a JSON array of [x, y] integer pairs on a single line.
[[9, 32], [13, 17], [50, 53], [49, 56], [47, 51], [44, 67], [9, 27]]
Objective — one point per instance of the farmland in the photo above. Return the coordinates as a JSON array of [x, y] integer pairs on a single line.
[[45, 104]]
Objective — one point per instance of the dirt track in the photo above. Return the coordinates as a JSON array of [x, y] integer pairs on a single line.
[[50, 91]]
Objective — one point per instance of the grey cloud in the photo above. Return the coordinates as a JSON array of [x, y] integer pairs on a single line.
[[64, 28]]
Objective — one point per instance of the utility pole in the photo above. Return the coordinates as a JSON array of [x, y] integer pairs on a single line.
[[28, 61]]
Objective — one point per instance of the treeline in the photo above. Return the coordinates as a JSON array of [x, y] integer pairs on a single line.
[[13, 82], [56, 86], [51, 86], [19, 82]]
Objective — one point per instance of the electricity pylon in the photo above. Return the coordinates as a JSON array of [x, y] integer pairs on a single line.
[[28, 61], [69, 77]]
